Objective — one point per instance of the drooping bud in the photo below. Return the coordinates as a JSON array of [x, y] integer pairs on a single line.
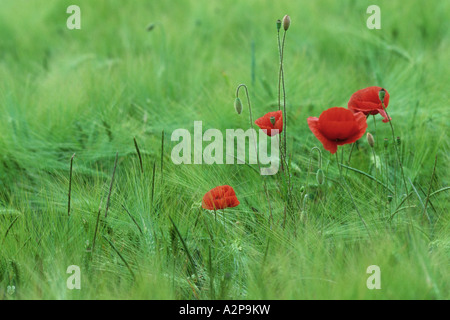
[[382, 94], [272, 120], [320, 176], [238, 105], [370, 139], [286, 22], [386, 142], [278, 24]]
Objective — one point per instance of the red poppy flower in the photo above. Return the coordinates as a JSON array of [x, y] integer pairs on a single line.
[[220, 197], [271, 121], [368, 102], [338, 126]]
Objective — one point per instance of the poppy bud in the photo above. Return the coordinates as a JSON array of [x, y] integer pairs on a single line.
[[238, 105], [272, 120], [302, 189], [386, 142], [370, 139], [278, 24], [286, 22], [389, 197], [382, 94], [399, 142], [320, 177]]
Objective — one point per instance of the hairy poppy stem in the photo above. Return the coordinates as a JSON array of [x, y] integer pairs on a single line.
[[284, 94], [256, 148], [281, 84], [396, 149], [344, 182]]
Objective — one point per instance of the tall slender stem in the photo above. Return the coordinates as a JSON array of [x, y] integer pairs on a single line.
[[256, 148], [70, 185], [284, 94], [396, 148]]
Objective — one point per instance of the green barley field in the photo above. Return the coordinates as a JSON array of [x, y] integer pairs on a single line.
[[138, 70]]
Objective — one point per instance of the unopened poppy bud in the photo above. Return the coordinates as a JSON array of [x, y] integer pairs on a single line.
[[399, 141], [286, 22], [389, 197], [278, 24], [302, 189], [320, 177], [370, 139], [386, 142], [272, 120], [238, 105], [382, 94]]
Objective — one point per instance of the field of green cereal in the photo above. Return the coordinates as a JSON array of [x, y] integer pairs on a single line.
[[142, 69]]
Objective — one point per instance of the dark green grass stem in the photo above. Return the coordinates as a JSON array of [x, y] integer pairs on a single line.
[[111, 185], [96, 225], [429, 188], [139, 155], [70, 185], [9, 228], [132, 218], [120, 256], [191, 260]]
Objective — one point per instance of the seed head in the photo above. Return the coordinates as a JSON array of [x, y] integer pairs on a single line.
[[286, 22], [382, 94], [320, 177], [272, 120], [370, 139], [278, 24], [238, 105]]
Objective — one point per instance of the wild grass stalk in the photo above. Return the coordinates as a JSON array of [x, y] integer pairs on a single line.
[[70, 185], [111, 185], [429, 189], [139, 155]]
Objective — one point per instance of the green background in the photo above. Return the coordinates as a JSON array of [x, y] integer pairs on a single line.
[[91, 91]]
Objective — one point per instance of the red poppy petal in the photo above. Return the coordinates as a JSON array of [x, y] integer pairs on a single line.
[[361, 123], [220, 197], [329, 145], [385, 116], [264, 122]]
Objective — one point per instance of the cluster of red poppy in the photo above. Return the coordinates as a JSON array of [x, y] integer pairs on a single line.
[[334, 127], [338, 126]]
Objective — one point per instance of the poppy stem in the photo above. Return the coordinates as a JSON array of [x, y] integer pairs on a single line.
[[256, 148], [284, 94], [280, 53], [344, 182], [396, 149]]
